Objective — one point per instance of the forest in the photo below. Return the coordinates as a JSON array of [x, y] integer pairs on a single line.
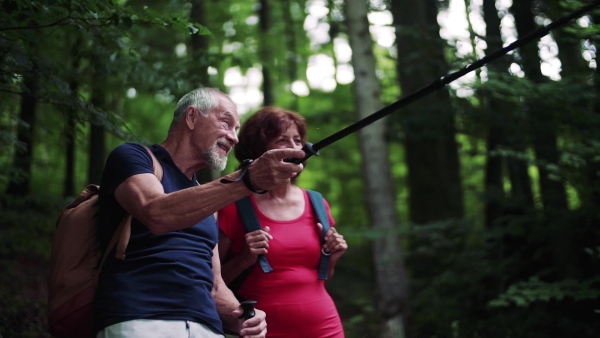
[[473, 211]]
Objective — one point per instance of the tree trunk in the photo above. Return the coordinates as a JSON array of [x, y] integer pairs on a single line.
[[97, 145], [542, 117], [551, 236], [291, 44], [71, 124], [504, 130], [20, 182], [70, 139], [264, 15], [199, 48], [591, 199], [494, 190], [569, 48], [387, 253], [573, 69], [429, 130], [199, 45]]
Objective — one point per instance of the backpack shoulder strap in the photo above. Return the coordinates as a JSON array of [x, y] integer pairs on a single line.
[[123, 233], [251, 223], [156, 166], [316, 199]]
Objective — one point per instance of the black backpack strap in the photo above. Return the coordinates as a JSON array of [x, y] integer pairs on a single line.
[[316, 199], [250, 220]]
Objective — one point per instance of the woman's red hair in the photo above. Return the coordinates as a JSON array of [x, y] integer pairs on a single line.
[[262, 127]]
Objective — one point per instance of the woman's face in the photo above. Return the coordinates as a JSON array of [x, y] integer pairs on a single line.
[[290, 138]]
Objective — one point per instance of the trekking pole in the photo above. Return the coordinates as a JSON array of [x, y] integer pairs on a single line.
[[313, 149]]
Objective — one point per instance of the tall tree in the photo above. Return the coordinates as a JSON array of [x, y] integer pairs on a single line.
[[97, 138], [199, 44], [71, 120], [592, 195], [504, 131], [428, 125], [593, 167], [428, 134], [23, 49], [582, 116], [541, 115], [494, 187], [393, 298], [23, 155], [265, 48], [569, 44], [292, 45]]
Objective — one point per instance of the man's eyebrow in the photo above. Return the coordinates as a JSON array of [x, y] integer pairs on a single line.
[[226, 113]]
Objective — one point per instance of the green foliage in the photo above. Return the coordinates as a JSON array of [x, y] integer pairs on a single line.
[[25, 234], [459, 287], [27, 223], [467, 278], [443, 265], [535, 290], [83, 42], [353, 290]]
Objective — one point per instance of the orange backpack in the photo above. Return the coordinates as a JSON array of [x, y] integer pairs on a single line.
[[76, 261]]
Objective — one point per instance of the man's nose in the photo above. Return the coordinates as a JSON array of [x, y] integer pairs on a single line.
[[232, 137]]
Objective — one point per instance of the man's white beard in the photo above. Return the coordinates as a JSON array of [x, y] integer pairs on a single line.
[[214, 158]]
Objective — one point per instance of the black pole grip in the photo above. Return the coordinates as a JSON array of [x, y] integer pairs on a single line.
[[309, 150], [248, 306]]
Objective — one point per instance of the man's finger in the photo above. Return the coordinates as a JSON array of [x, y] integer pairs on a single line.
[[282, 154]]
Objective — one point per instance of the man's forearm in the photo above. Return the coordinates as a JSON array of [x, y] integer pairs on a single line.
[[178, 210], [226, 303]]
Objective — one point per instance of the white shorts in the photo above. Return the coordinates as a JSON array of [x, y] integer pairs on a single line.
[[150, 328]]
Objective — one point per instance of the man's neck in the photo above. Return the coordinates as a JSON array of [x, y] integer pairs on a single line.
[[183, 155]]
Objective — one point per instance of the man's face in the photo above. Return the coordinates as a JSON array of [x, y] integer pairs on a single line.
[[220, 133], [214, 156]]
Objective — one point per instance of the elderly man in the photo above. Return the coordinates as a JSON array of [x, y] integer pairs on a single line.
[[170, 283]]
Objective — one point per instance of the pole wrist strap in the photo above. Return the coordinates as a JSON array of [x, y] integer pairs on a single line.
[[245, 177]]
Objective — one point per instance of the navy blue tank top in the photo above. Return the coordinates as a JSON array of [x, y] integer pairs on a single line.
[[167, 276]]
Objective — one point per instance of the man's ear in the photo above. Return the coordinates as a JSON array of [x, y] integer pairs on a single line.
[[191, 115]]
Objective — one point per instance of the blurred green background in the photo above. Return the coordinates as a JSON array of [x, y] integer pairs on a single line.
[[473, 212]]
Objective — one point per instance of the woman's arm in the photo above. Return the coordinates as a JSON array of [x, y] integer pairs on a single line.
[[256, 243], [231, 266]]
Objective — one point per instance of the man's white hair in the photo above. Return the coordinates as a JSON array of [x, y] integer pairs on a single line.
[[202, 98]]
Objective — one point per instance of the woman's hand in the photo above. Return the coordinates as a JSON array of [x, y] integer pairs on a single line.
[[257, 243], [335, 244]]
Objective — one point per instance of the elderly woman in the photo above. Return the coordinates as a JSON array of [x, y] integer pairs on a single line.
[[292, 295]]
